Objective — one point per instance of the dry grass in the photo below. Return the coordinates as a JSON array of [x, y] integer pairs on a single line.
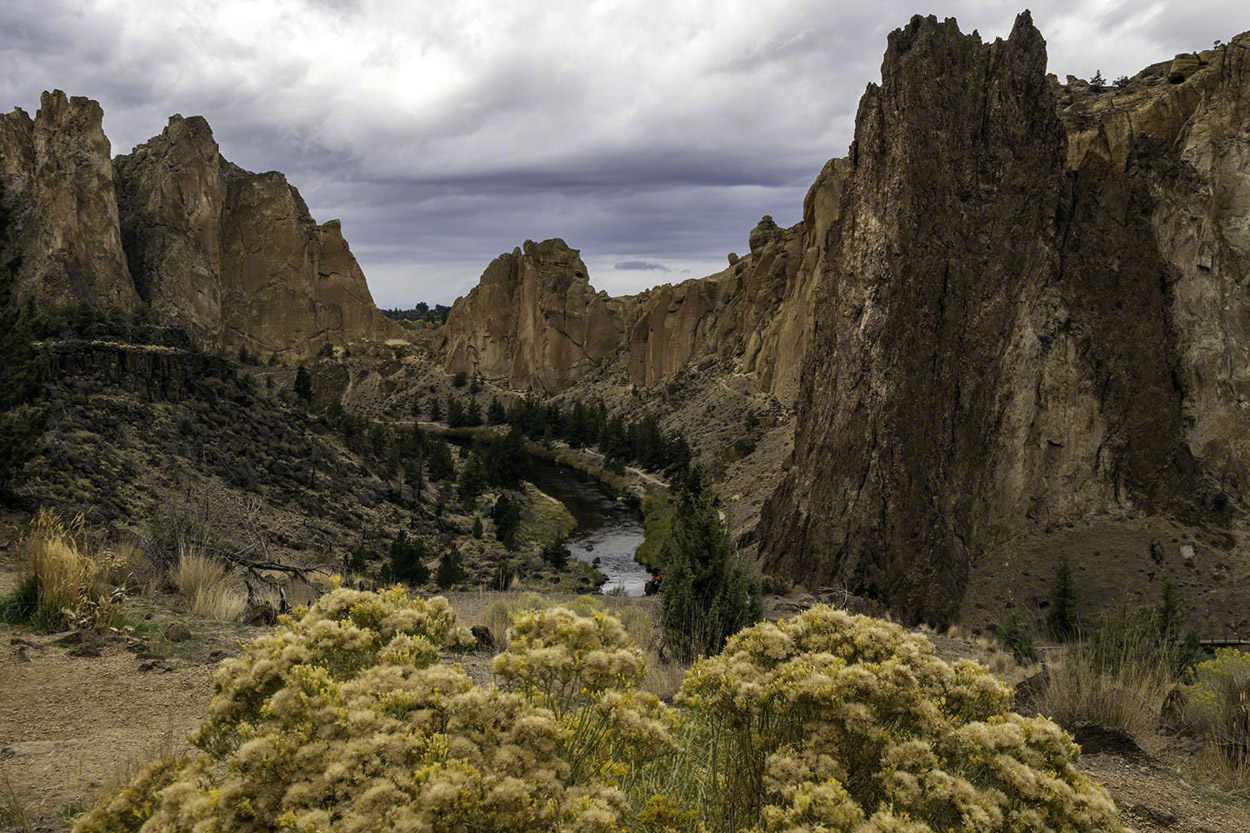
[[206, 586], [69, 583], [13, 813], [1127, 691], [1228, 767]]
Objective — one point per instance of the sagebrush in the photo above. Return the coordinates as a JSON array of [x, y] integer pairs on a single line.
[[345, 719]]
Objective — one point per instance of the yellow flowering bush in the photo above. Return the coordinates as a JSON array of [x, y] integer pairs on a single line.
[[1217, 701], [835, 722], [346, 719]]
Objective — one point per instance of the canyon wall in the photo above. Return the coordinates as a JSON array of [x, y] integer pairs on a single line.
[[534, 321], [59, 181], [1015, 329]]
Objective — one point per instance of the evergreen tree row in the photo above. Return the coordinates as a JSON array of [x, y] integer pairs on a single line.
[[641, 442]]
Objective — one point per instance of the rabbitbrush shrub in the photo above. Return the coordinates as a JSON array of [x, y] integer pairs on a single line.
[[346, 720]]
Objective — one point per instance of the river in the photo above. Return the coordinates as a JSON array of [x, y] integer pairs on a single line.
[[608, 530]]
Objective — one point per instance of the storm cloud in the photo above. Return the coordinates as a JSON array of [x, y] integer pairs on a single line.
[[442, 133]]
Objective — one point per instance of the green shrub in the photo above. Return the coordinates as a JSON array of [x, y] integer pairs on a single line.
[[408, 560], [1062, 617], [557, 554], [451, 569], [1217, 701], [303, 384], [21, 607], [707, 595], [1014, 637]]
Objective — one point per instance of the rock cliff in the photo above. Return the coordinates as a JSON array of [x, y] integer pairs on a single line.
[[534, 320], [233, 257], [59, 179], [1015, 330]]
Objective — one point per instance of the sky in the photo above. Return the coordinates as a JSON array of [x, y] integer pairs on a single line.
[[651, 135]]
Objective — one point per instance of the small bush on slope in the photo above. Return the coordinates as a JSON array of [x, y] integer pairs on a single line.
[[345, 720]]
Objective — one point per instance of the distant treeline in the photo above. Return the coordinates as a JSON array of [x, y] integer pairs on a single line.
[[422, 315], [641, 442]]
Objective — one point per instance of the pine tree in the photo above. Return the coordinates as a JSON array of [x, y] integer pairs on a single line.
[[506, 516], [1097, 82], [407, 555], [450, 569], [495, 414], [472, 481], [707, 597], [1062, 618], [303, 384], [439, 461], [557, 554]]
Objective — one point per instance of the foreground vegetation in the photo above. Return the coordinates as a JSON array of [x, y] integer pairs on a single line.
[[345, 719]]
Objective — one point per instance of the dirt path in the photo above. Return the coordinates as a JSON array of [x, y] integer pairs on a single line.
[[70, 726], [1154, 798]]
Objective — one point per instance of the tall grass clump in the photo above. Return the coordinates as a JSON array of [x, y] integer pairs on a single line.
[[65, 584], [347, 719], [1120, 673], [206, 586]]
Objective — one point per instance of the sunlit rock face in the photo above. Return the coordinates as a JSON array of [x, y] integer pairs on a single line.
[[534, 321], [59, 182], [235, 257]]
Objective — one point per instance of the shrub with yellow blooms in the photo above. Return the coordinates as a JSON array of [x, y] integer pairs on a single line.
[[346, 719], [835, 722]]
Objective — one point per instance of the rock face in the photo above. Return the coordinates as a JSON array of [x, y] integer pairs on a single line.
[[233, 257], [534, 320], [172, 194], [1014, 330], [59, 179]]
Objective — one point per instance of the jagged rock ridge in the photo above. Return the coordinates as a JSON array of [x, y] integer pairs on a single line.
[[233, 257], [1003, 343], [58, 173]]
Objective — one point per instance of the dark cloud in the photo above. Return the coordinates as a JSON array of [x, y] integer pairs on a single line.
[[641, 266], [442, 134]]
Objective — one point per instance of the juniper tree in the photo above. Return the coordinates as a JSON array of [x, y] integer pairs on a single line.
[[707, 596]]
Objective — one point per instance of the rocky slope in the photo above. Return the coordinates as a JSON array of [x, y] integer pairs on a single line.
[[233, 257]]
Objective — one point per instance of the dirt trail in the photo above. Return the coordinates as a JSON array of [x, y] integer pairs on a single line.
[[70, 726]]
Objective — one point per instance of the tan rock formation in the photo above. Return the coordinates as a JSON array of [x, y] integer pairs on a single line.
[[235, 257], [59, 176], [758, 312], [534, 321], [171, 198]]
